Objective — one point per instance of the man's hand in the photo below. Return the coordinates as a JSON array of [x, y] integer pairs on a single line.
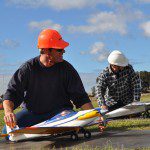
[[10, 120], [102, 124], [104, 107]]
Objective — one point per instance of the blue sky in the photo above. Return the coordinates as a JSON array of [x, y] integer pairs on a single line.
[[93, 28]]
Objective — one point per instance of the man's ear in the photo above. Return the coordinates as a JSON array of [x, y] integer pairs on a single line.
[[41, 51]]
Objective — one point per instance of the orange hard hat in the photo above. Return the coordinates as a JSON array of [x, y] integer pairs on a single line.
[[49, 38]]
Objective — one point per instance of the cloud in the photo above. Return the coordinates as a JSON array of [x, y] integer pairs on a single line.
[[146, 28], [103, 56], [27, 3], [116, 21], [34, 25], [9, 44], [143, 1], [101, 23], [97, 47], [98, 51], [60, 4]]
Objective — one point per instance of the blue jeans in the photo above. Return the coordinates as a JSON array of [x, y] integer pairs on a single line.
[[26, 118]]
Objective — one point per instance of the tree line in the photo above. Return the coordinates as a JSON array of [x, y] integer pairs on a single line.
[[145, 81]]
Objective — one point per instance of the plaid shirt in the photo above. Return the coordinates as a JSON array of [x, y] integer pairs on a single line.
[[123, 86]]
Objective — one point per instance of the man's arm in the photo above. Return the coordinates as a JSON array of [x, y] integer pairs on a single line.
[[135, 81], [14, 95], [100, 91], [9, 118]]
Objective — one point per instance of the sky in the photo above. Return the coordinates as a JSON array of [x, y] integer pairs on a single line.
[[93, 28]]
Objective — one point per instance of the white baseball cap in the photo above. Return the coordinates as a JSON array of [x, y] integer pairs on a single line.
[[118, 58]]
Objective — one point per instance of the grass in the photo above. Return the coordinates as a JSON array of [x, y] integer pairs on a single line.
[[1, 119], [108, 146], [125, 124], [129, 124], [145, 97]]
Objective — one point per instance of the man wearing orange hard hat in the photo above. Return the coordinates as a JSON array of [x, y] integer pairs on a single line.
[[118, 84], [47, 84]]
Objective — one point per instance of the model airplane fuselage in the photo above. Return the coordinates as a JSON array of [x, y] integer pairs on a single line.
[[72, 121]]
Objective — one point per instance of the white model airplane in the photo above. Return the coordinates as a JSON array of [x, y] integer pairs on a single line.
[[131, 109], [71, 123], [74, 122]]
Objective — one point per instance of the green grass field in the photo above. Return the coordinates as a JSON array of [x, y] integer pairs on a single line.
[[145, 98], [126, 124]]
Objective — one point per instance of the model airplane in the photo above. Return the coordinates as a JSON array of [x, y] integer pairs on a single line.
[[71, 123], [74, 122], [131, 109]]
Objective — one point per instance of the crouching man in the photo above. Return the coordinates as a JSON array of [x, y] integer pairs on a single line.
[[118, 84]]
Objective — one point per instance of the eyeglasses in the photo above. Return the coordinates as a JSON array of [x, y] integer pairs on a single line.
[[117, 67], [60, 50], [57, 50]]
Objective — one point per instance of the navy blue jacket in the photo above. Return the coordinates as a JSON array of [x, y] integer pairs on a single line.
[[46, 89]]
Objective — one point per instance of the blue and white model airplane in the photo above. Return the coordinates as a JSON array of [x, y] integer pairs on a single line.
[[71, 122], [67, 122]]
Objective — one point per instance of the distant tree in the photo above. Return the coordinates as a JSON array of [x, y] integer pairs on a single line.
[[145, 76], [145, 80], [93, 91]]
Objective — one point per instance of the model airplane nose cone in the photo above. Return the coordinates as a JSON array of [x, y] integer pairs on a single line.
[[89, 115]]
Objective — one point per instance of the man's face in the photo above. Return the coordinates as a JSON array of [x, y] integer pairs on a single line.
[[54, 55], [116, 68]]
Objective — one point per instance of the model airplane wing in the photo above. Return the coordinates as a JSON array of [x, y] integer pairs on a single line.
[[133, 108], [45, 130], [138, 104]]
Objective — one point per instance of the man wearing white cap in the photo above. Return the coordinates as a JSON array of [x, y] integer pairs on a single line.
[[118, 84]]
